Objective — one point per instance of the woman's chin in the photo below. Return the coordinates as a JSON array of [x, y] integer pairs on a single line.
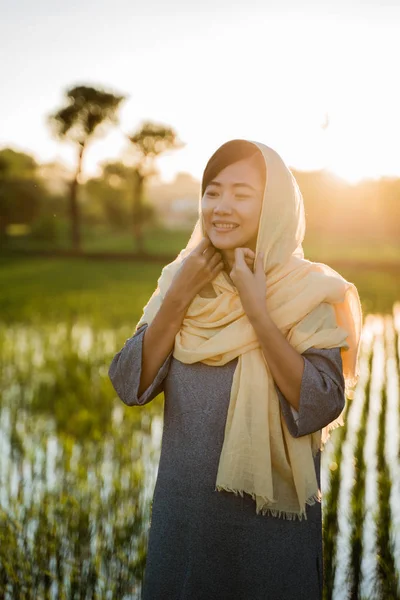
[[222, 242]]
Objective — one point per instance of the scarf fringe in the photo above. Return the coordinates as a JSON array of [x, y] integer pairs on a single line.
[[281, 514], [320, 447]]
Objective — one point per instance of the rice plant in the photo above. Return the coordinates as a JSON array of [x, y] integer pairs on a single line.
[[78, 468]]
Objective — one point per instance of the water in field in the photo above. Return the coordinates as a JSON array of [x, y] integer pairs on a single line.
[[77, 469], [361, 506]]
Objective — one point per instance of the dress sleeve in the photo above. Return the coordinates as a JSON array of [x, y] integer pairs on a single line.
[[126, 368], [322, 396]]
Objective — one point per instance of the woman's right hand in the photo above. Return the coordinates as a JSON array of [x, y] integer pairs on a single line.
[[198, 268]]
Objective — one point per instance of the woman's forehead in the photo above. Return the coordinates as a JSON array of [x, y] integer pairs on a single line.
[[233, 184], [239, 174]]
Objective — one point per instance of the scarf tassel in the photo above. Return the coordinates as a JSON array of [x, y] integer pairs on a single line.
[[265, 510]]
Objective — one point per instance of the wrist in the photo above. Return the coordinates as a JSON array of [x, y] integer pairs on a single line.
[[261, 319], [177, 305]]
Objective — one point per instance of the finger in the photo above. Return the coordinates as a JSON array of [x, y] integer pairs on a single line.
[[250, 263], [217, 268], [215, 260], [202, 245], [239, 257], [249, 257], [249, 253], [209, 252]]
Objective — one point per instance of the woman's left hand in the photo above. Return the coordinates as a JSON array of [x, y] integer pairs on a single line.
[[252, 286]]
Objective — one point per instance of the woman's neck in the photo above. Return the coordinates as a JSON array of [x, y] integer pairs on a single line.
[[228, 257]]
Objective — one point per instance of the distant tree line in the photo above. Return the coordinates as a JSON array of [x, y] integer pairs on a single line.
[[119, 196], [87, 114]]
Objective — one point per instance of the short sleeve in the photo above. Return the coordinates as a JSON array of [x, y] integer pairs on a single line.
[[322, 396], [126, 368]]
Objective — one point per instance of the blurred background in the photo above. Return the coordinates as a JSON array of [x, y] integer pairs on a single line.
[[110, 112]]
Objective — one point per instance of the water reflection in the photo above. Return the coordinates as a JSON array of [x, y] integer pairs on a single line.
[[74, 500], [78, 467]]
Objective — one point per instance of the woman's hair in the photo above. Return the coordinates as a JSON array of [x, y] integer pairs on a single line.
[[229, 153]]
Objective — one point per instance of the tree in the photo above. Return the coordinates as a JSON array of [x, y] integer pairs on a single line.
[[20, 189], [87, 113], [148, 143], [107, 197]]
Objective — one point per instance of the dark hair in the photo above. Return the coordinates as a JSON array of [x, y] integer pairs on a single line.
[[229, 153]]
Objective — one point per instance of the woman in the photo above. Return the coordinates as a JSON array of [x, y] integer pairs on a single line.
[[253, 347]]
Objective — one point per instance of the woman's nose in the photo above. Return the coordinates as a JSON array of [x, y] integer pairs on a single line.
[[223, 206]]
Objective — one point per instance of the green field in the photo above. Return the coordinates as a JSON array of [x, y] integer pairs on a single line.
[[322, 248], [112, 293]]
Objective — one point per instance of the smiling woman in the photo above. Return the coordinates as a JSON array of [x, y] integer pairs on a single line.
[[232, 194], [254, 377]]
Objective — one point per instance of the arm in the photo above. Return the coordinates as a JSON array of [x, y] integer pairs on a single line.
[[199, 268], [138, 370], [126, 368], [285, 363], [310, 386], [322, 397], [159, 338]]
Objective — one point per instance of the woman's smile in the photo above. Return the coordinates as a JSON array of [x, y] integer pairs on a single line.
[[221, 227]]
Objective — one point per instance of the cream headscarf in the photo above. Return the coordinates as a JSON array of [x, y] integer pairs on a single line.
[[312, 305]]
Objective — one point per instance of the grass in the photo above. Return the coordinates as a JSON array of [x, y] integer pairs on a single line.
[[113, 293], [103, 293], [101, 239], [318, 247]]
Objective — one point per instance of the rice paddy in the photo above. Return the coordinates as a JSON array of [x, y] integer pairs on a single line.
[[361, 475], [77, 467]]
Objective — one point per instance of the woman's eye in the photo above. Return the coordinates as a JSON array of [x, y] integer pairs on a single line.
[[212, 194]]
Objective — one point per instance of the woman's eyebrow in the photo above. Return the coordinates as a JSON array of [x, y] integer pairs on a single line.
[[239, 184]]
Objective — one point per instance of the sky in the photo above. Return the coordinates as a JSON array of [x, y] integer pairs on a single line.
[[316, 81]]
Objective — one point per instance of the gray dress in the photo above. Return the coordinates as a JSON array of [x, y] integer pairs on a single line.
[[210, 545]]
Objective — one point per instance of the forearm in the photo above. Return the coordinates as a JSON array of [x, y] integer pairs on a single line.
[[285, 363], [159, 339]]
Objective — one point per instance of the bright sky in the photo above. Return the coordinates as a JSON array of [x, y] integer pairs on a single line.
[[267, 70]]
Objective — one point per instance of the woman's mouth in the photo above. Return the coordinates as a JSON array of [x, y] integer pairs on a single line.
[[224, 227]]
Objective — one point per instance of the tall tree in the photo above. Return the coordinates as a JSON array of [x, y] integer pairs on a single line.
[[87, 113], [148, 143]]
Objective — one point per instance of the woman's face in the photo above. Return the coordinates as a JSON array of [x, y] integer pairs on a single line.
[[234, 198]]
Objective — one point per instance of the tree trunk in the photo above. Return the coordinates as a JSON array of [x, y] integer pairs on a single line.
[[137, 213], [3, 230], [74, 212], [4, 211]]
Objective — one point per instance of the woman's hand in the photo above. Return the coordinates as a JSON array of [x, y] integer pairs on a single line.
[[252, 286], [199, 267]]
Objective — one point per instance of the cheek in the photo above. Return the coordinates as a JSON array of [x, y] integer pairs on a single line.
[[205, 208], [207, 215], [250, 217]]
